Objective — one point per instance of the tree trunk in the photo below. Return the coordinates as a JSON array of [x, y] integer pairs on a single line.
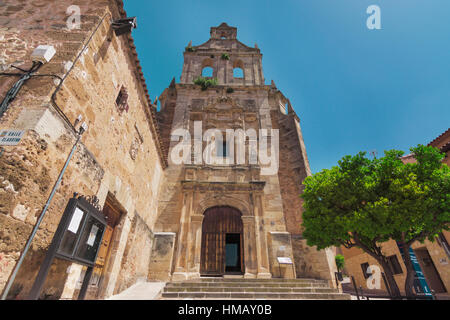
[[377, 255], [395, 291], [410, 272]]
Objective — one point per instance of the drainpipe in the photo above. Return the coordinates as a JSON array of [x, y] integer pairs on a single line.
[[82, 129]]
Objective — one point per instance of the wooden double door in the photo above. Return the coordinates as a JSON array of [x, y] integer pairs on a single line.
[[222, 242]]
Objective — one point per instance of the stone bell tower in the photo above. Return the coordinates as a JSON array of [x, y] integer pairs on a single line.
[[232, 217], [223, 41]]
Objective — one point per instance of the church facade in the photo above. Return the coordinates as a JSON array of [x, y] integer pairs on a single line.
[[237, 217], [207, 186]]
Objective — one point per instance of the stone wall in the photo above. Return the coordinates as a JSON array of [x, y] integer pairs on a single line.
[[355, 257], [119, 153], [293, 169], [313, 263], [280, 245], [136, 258], [160, 267]]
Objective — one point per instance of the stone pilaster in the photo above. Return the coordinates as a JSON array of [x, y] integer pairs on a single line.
[[195, 246], [250, 256], [261, 241], [182, 253]]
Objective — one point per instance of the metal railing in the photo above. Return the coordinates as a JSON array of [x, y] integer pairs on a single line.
[[361, 295]]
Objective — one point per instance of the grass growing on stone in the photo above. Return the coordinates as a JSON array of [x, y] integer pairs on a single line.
[[205, 83]]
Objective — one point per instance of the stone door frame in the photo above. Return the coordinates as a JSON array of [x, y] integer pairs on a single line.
[[188, 249]]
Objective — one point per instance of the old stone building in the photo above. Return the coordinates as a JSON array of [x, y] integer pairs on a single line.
[[94, 74], [260, 209], [165, 220]]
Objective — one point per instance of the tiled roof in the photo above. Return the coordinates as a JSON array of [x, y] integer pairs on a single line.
[[436, 140]]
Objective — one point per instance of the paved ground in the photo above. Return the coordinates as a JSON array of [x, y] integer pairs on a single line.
[[140, 291]]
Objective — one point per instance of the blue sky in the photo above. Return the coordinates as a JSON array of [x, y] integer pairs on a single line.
[[353, 88]]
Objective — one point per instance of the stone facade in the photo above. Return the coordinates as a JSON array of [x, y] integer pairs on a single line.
[[119, 157], [270, 204], [154, 207]]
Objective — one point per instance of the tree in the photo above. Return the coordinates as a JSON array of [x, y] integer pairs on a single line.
[[420, 203], [340, 262], [364, 202]]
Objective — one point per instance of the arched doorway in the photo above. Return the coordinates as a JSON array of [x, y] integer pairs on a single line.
[[222, 242]]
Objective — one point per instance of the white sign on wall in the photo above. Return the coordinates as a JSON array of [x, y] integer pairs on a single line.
[[75, 221], [10, 137], [284, 260]]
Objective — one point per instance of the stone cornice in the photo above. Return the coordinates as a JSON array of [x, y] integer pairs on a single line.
[[214, 186]]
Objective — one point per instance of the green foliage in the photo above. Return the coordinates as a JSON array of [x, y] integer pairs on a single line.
[[190, 49], [340, 262], [363, 202], [230, 90], [205, 83], [225, 56]]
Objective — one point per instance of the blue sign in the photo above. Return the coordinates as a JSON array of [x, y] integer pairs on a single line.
[[420, 283]]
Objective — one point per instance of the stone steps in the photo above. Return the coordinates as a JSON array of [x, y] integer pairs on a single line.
[[248, 289], [246, 284], [254, 295], [252, 280]]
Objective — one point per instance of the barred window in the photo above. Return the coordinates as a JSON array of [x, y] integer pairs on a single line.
[[394, 264]]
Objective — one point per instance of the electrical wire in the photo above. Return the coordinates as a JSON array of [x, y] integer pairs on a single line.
[[53, 97], [12, 93]]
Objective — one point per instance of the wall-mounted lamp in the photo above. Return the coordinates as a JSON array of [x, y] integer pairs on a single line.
[[122, 26]]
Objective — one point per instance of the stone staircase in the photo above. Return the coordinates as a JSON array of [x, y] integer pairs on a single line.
[[249, 289]]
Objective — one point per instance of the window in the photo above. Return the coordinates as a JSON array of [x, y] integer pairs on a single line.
[[394, 264], [364, 267], [238, 73], [222, 149], [207, 72], [122, 100], [442, 241]]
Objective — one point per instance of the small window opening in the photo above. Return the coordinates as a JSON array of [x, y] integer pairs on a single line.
[[238, 73], [364, 267], [394, 264], [207, 72], [222, 149], [122, 100]]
